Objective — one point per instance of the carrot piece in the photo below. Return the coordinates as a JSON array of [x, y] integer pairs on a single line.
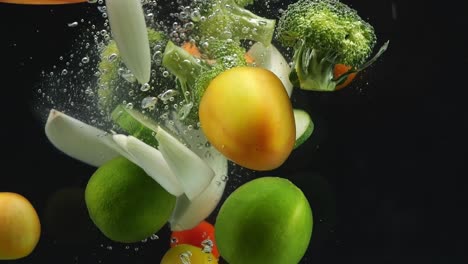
[[249, 58], [42, 2], [338, 71], [192, 49]]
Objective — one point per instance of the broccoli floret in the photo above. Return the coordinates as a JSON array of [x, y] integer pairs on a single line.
[[118, 86], [195, 74], [228, 19], [324, 33]]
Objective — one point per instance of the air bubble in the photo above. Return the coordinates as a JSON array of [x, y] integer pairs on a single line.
[[185, 257], [195, 16], [145, 87], [73, 24], [112, 57], [85, 59], [167, 94], [149, 102]]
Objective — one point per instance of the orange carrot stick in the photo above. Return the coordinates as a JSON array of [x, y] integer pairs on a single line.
[[338, 71], [192, 49]]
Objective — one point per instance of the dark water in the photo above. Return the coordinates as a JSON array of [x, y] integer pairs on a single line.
[[384, 170]]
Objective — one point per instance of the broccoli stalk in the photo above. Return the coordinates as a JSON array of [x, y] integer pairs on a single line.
[[194, 75], [184, 67], [228, 19], [324, 33]]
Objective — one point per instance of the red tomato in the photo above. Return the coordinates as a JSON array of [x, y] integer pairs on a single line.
[[200, 236]]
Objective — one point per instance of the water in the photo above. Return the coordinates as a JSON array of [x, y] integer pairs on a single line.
[[379, 188]]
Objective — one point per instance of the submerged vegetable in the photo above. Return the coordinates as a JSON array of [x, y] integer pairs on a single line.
[[202, 236], [267, 220], [125, 203], [188, 254], [127, 23], [338, 71], [246, 114], [20, 228], [324, 33]]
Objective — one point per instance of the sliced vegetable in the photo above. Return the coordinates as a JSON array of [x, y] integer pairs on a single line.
[[79, 140], [153, 163], [304, 126], [96, 147], [127, 23], [271, 59], [136, 124], [20, 227], [339, 70], [202, 236], [189, 213], [192, 172]]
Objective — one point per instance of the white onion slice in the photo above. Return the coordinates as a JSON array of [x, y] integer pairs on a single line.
[[153, 163], [79, 140], [128, 27], [192, 172], [189, 213], [271, 59]]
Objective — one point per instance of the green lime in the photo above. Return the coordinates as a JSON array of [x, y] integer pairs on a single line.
[[125, 203], [267, 220]]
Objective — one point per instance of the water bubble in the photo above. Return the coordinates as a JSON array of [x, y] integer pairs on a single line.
[[183, 15], [64, 72], [207, 245], [102, 9], [145, 87], [185, 110], [185, 257], [195, 16], [85, 59], [224, 178], [157, 55], [168, 94], [144, 240], [129, 77], [73, 24], [149, 102], [112, 57], [129, 106], [92, 1], [189, 25], [165, 74], [154, 237], [109, 247]]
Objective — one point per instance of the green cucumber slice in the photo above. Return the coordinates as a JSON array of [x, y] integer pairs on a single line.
[[136, 124], [304, 126]]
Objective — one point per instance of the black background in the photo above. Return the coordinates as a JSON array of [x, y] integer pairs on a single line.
[[384, 171]]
